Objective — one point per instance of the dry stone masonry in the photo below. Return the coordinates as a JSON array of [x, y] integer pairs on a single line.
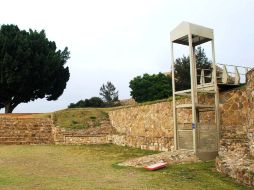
[[236, 158], [146, 127], [15, 130], [93, 135]]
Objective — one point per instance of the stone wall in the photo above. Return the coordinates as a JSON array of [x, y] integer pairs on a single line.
[[92, 135], [250, 118], [146, 127], [77, 137], [26, 129], [236, 154], [15, 130]]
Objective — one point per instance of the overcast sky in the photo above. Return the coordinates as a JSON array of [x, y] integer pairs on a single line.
[[116, 40]]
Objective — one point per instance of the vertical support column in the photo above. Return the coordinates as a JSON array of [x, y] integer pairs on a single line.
[[195, 84], [174, 98], [196, 100], [195, 66], [193, 93], [217, 113]]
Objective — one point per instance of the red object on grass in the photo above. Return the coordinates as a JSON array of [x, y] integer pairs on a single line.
[[156, 166]]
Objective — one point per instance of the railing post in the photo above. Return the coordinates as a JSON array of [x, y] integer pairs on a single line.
[[224, 75], [237, 76], [202, 77], [246, 71]]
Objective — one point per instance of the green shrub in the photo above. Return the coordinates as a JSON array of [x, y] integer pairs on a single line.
[[151, 87], [94, 102]]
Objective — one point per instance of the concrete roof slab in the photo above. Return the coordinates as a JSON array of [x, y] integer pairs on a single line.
[[200, 34]]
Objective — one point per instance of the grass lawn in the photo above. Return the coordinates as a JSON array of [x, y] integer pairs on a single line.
[[94, 167]]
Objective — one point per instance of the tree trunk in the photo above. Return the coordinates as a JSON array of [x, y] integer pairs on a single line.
[[8, 108]]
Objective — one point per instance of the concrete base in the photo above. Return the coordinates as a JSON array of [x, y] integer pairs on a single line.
[[206, 156]]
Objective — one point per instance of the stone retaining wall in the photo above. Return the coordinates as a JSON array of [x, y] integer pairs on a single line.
[[25, 130], [236, 154], [142, 142], [92, 135], [78, 137], [15, 129], [146, 127]]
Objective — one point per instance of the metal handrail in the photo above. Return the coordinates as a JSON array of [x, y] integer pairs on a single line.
[[226, 76]]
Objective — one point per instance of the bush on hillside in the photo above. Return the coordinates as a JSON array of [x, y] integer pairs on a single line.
[[94, 102]]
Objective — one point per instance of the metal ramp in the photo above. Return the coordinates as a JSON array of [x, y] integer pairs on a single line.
[[200, 135], [227, 75]]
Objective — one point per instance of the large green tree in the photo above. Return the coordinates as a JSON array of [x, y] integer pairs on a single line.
[[182, 69], [31, 67], [151, 87]]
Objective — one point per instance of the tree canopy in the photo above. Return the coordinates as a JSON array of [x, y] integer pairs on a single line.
[[182, 68], [151, 87], [31, 67], [109, 93]]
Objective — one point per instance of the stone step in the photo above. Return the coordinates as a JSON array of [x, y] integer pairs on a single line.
[[23, 125], [24, 137], [24, 142], [26, 133], [25, 130]]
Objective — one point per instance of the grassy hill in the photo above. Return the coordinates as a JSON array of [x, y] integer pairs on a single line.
[[74, 118], [78, 118]]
